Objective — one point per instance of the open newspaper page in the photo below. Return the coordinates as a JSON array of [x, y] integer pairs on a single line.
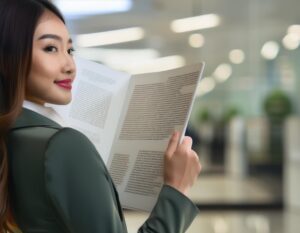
[[157, 104], [98, 96]]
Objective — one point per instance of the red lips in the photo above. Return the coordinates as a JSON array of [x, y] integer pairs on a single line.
[[66, 83]]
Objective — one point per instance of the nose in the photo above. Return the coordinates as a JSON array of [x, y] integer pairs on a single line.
[[68, 65]]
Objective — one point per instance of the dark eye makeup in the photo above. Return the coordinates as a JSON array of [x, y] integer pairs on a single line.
[[50, 49], [71, 51]]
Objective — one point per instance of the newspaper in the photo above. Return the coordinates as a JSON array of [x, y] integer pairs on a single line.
[[129, 119]]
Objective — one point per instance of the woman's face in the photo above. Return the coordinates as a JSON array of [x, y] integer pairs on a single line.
[[53, 68]]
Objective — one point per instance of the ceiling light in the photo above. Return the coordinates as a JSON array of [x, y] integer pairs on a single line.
[[195, 23], [294, 29], [270, 50], [110, 37], [237, 56], [291, 41], [223, 72], [90, 7], [132, 61], [196, 40], [206, 85], [117, 58], [156, 65]]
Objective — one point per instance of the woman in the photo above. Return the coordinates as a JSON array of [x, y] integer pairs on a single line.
[[51, 178]]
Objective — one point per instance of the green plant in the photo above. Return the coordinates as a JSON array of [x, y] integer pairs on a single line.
[[277, 105], [230, 113], [204, 115]]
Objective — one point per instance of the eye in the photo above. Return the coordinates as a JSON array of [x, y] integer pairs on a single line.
[[50, 49], [71, 51]]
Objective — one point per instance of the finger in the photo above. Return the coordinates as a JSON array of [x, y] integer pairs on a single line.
[[172, 144], [195, 155], [187, 141], [197, 161]]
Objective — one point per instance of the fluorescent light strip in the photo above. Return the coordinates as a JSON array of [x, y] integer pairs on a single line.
[[90, 7], [195, 23], [118, 58], [156, 65], [132, 61], [110, 37]]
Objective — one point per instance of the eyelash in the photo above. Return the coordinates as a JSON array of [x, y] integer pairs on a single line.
[[49, 49], [71, 51]]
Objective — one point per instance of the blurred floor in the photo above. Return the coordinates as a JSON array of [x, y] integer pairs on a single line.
[[223, 190], [233, 222], [235, 204]]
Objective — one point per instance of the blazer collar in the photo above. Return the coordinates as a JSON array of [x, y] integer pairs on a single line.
[[29, 118]]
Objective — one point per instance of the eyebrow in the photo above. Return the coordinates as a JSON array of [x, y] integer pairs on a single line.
[[53, 36]]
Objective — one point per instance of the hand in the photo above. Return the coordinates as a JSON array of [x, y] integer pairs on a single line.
[[182, 165]]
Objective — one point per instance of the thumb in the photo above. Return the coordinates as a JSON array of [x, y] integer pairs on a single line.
[[172, 146]]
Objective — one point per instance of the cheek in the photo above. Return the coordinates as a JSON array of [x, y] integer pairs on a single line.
[[45, 69], [35, 86], [40, 79], [42, 73]]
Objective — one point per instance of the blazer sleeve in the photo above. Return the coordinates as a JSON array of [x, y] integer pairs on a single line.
[[81, 192], [173, 213]]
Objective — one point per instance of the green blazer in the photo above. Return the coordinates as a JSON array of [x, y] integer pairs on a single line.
[[59, 184]]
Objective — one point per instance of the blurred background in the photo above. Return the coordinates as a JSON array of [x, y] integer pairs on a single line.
[[245, 122]]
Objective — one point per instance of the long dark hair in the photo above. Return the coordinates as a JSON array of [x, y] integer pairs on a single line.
[[18, 20]]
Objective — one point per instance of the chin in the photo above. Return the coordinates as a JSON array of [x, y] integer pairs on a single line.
[[64, 101]]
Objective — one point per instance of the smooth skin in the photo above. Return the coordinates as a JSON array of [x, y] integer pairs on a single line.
[[182, 165], [52, 62]]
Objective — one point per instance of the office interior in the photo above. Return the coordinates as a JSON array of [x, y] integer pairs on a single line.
[[245, 120]]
